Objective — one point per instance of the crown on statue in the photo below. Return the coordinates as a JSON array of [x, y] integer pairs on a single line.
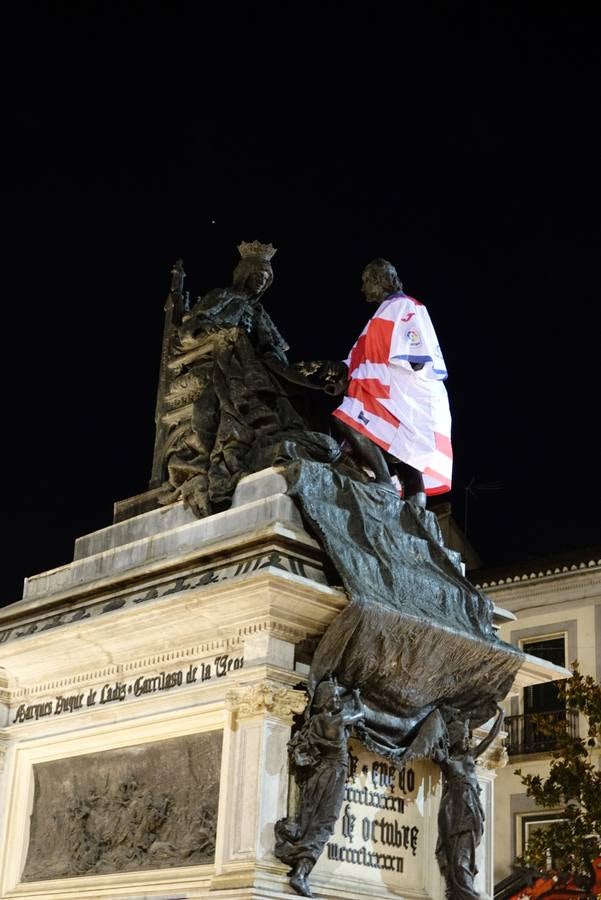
[[256, 250]]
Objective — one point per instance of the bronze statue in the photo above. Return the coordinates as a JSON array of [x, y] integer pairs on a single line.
[[228, 406], [395, 414], [220, 354], [177, 277], [319, 756], [460, 817]]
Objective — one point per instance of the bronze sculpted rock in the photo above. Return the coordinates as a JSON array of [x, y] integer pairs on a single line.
[[319, 758]]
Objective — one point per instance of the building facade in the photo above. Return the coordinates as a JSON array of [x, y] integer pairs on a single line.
[[557, 609]]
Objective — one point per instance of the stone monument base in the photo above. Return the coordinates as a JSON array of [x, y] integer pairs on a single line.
[[147, 696]]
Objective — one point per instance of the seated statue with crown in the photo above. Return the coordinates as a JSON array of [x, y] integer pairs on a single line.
[[230, 371]]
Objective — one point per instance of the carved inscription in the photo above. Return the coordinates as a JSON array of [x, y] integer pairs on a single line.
[[144, 807], [379, 834], [117, 691]]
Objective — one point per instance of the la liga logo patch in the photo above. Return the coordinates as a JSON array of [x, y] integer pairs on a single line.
[[413, 336]]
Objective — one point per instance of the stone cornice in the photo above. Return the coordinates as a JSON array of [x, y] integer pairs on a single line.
[[285, 632], [208, 621], [539, 575], [580, 587], [5, 693], [270, 599], [273, 545], [274, 560]]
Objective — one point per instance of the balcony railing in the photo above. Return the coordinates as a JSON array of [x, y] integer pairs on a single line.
[[524, 734]]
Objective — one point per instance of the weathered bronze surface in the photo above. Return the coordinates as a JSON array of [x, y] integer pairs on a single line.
[[145, 807], [226, 388], [221, 394], [416, 638], [381, 282], [175, 307], [460, 817], [319, 759]]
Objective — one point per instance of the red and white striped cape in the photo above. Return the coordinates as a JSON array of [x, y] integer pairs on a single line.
[[404, 411]]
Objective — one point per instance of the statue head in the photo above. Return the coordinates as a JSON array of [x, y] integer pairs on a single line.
[[253, 274], [379, 280], [326, 696], [459, 734]]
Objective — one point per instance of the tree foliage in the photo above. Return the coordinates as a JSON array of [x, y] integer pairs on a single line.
[[572, 785]]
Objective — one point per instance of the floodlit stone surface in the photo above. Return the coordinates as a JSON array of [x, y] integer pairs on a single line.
[[164, 632]]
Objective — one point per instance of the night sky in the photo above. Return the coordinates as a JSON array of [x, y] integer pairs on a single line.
[[458, 140]]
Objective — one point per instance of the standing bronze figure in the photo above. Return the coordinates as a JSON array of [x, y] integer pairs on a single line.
[[460, 817], [231, 404], [319, 757], [395, 413]]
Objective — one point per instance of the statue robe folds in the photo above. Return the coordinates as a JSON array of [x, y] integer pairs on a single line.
[[416, 634], [403, 410], [321, 769], [460, 828], [238, 404]]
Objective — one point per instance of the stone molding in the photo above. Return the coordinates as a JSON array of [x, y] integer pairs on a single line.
[[5, 693], [136, 666], [266, 698], [272, 560], [269, 603], [564, 583], [539, 574], [231, 644], [291, 633]]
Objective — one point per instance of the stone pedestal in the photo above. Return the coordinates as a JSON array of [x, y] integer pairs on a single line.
[[147, 693]]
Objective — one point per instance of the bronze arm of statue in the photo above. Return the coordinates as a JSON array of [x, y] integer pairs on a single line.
[[330, 376], [441, 754], [487, 741]]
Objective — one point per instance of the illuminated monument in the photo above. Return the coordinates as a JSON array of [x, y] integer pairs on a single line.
[[264, 610]]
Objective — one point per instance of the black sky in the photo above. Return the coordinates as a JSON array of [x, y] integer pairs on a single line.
[[459, 140]]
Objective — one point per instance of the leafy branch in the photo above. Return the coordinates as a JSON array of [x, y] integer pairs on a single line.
[[572, 785]]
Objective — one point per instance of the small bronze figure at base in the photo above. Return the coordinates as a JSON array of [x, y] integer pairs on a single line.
[[461, 817], [319, 755]]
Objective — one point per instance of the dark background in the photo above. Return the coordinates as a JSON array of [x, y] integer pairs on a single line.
[[458, 140]]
